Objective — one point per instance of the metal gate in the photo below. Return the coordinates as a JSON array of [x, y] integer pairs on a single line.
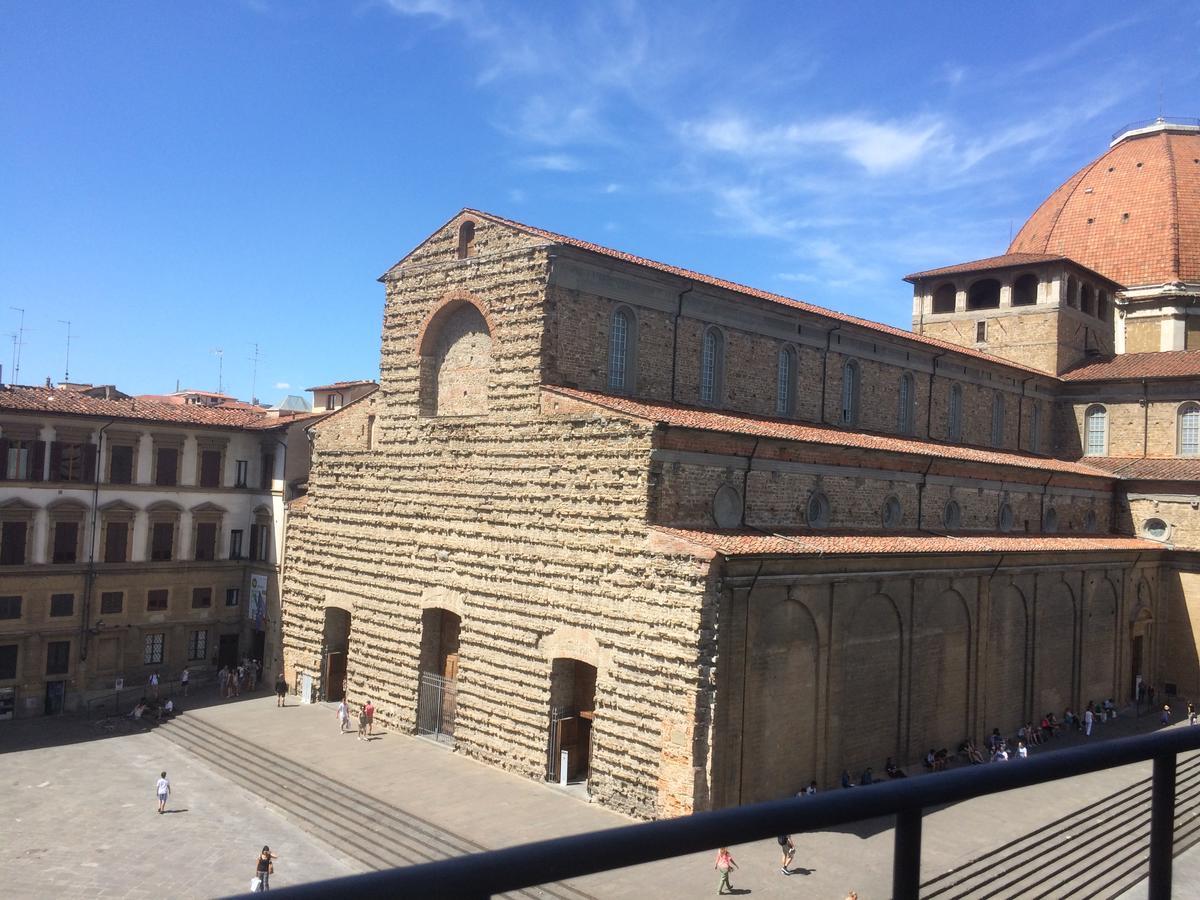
[[437, 698]]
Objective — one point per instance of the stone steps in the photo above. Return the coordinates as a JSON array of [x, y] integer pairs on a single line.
[[375, 834], [1099, 850]]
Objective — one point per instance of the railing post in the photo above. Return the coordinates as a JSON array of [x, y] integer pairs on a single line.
[[1162, 827], [906, 856]]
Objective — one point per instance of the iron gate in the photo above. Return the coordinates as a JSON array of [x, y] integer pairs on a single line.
[[436, 701]]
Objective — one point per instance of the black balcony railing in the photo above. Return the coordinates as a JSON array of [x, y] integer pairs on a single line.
[[1161, 120], [488, 874]]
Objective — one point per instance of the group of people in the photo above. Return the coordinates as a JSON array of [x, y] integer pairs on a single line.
[[725, 864], [366, 719], [148, 707], [245, 676]]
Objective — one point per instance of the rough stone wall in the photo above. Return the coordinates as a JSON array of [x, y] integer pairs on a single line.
[[1143, 335], [1177, 505], [1129, 424]]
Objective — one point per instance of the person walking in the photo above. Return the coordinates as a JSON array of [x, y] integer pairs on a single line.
[[725, 865], [343, 715], [369, 712], [163, 789], [265, 868], [787, 850], [1088, 718], [154, 685], [183, 679], [1165, 719], [1191, 708], [362, 724], [280, 690]]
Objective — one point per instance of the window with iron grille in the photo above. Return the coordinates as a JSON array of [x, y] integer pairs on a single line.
[[198, 644], [152, 652], [618, 348]]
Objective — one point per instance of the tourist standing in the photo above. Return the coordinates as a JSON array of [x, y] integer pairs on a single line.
[[265, 868], [280, 690], [183, 679], [787, 849], [1088, 718], [725, 865], [1166, 714], [343, 715], [163, 789], [1191, 713], [154, 685], [369, 712], [362, 724]]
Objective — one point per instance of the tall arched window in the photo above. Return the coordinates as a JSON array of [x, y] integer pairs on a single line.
[[954, 428], [466, 239], [1095, 431], [712, 366], [785, 378], [1189, 429], [905, 415], [850, 389], [622, 344], [998, 419], [1087, 299], [1035, 428], [952, 516]]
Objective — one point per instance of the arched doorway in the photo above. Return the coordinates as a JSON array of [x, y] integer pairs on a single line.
[[437, 691], [335, 650], [572, 709]]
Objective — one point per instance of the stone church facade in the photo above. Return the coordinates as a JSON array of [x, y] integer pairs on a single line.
[[714, 543]]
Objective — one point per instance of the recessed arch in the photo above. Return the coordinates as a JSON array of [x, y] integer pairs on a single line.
[[1054, 648], [984, 294], [1025, 290], [941, 640], [456, 349], [944, 298], [573, 642], [466, 239], [1007, 671], [869, 671], [1098, 644]]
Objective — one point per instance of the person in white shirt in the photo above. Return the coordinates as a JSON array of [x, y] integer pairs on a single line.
[[164, 791], [183, 680], [154, 684]]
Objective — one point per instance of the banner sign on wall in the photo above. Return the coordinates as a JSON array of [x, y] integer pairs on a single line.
[[258, 600]]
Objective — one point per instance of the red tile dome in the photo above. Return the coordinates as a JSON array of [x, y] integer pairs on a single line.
[[1133, 215]]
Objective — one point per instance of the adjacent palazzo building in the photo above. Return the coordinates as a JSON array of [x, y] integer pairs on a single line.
[[714, 542], [135, 536]]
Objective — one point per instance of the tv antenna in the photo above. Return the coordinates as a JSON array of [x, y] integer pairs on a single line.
[[254, 376], [67, 367], [220, 355], [18, 343]]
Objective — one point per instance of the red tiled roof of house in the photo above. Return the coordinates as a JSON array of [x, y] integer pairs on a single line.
[[757, 543], [752, 292], [1155, 364], [1004, 261], [787, 430], [1133, 214], [340, 384], [1139, 469], [38, 400]]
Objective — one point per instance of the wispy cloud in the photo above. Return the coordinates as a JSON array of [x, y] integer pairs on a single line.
[[282, 385], [553, 162]]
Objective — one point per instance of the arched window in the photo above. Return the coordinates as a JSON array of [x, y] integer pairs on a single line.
[[1005, 519], [955, 426], [893, 513], [952, 516], [712, 366], [1025, 291], [984, 294], [1102, 305], [1087, 299], [466, 239], [1095, 431], [1050, 520], [818, 510], [998, 419], [906, 415], [1189, 429], [1035, 428], [622, 350], [785, 379], [944, 299], [850, 389], [1072, 295]]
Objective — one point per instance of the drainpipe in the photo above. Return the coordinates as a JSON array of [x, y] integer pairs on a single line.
[[90, 578], [929, 399], [746, 481], [921, 495], [1021, 410], [825, 368], [675, 342]]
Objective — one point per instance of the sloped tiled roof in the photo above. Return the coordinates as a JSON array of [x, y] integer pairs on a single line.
[[1155, 364], [1005, 261], [38, 400], [757, 543], [1177, 469], [1132, 215], [690, 275], [783, 429], [340, 384]]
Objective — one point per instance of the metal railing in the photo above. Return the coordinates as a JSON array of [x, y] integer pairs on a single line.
[[116, 702], [513, 868], [1185, 121]]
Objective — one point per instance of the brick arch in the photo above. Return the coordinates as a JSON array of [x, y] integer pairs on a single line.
[[1054, 662], [339, 601], [445, 305], [441, 598], [572, 642]]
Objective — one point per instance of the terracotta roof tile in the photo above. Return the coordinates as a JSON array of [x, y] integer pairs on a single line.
[[1156, 364], [1176, 469], [18, 399], [783, 429], [753, 292], [340, 384], [1005, 261], [757, 543], [1132, 215]]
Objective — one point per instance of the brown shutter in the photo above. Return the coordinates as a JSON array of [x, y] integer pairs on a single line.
[[37, 460], [115, 542], [55, 460], [4, 444], [89, 462]]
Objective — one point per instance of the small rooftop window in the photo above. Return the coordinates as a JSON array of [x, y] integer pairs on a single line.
[[466, 239]]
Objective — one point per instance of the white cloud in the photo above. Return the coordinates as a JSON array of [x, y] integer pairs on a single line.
[[612, 188], [553, 162], [282, 385]]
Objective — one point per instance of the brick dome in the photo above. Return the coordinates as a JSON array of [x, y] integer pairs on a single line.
[[1133, 215]]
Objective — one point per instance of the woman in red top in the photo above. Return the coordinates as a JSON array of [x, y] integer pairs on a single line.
[[369, 712]]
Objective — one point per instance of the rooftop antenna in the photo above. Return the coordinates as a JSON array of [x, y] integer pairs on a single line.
[[254, 376], [67, 368], [18, 342], [220, 355]]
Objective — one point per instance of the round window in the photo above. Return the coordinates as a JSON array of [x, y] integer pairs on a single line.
[[893, 513], [818, 510], [1006, 517], [952, 516], [727, 507], [1050, 525], [1155, 528]]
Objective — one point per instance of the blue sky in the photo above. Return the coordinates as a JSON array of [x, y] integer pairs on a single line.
[[178, 178]]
